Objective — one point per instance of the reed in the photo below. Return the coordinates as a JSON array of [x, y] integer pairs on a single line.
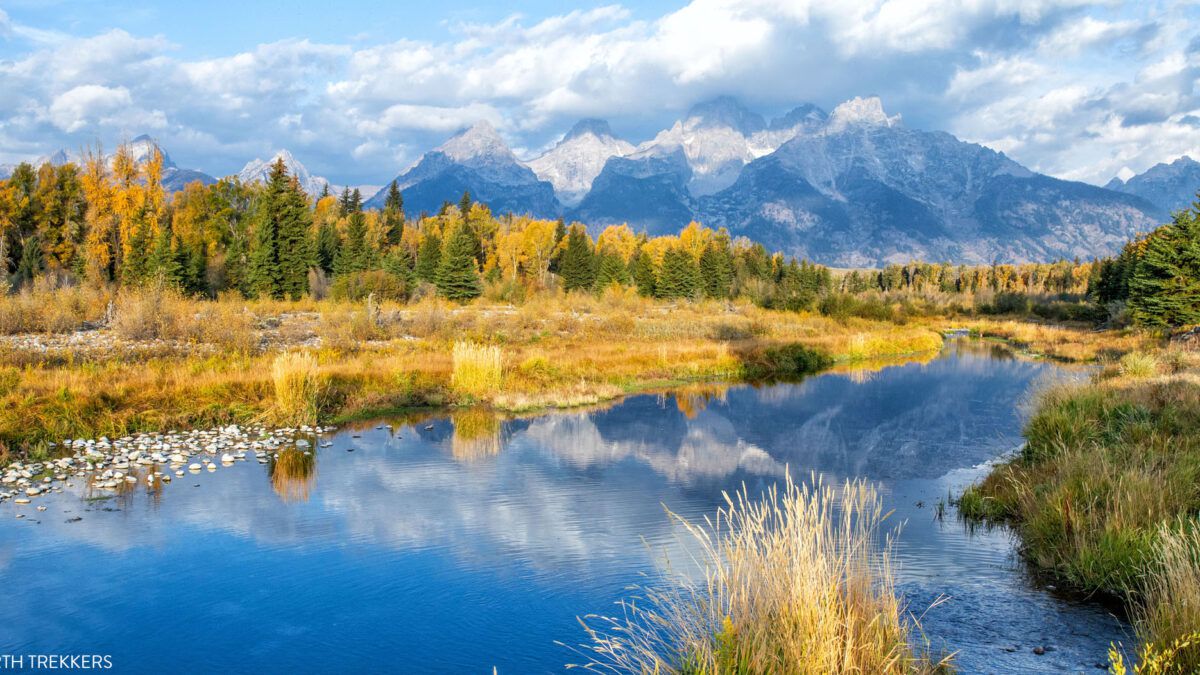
[[477, 370], [299, 388], [1168, 618], [799, 581]]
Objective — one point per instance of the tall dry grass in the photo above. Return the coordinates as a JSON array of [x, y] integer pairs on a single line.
[[799, 581], [293, 473], [299, 388], [1168, 618], [477, 370]]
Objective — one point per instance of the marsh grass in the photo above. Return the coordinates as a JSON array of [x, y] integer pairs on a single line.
[[1168, 617], [299, 388], [797, 581], [1139, 364], [477, 370]]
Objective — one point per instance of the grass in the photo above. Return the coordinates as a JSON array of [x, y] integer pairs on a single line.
[[292, 474], [477, 370], [166, 361], [1105, 496], [1168, 617], [299, 388], [799, 581]]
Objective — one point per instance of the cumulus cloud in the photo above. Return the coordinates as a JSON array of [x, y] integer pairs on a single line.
[[1070, 87]]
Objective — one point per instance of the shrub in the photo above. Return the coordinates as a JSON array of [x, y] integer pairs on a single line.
[[798, 581], [299, 388], [356, 286], [477, 371]]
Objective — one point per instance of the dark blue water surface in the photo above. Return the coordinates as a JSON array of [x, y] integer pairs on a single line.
[[475, 543]]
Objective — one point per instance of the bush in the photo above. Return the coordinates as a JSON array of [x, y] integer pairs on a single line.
[[356, 286]]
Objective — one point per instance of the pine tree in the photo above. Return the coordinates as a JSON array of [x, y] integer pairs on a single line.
[[399, 263], [716, 270], [680, 278], [641, 269], [355, 254], [393, 215], [164, 259], [611, 270], [560, 232], [464, 205], [32, 260], [262, 270], [457, 275], [429, 257], [1164, 290], [326, 246], [293, 243], [578, 267], [135, 266]]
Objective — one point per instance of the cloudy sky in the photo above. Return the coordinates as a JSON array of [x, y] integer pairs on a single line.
[[358, 90]]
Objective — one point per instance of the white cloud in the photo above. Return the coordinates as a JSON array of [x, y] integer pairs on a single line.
[[1072, 88]]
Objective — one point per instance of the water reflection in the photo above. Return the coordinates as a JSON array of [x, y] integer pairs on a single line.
[[293, 473], [505, 529]]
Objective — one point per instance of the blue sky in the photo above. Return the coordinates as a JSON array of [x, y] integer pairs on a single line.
[[358, 90]]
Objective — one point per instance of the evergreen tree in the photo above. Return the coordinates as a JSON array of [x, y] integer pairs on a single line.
[[429, 257], [326, 246], [610, 270], [716, 270], [464, 205], [578, 267], [560, 232], [164, 259], [399, 263], [1164, 290], [295, 255], [641, 269], [680, 277], [135, 267], [32, 261], [457, 275], [393, 215], [355, 253]]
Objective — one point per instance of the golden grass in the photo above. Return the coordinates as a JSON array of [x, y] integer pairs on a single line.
[[799, 581], [1169, 613], [1139, 364], [477, 370], [1065, 343], [299, 387]]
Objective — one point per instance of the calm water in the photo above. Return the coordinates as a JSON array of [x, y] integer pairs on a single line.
[[475, 543]]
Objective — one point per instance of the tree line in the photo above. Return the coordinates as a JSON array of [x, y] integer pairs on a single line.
[[109, 221]]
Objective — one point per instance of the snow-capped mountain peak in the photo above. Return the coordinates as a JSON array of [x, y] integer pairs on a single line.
[[724, 111], [480, 140], [860, 111], [258, 171], [575, 161]]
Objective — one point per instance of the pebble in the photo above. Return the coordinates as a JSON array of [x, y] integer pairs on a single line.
[[107, 464]]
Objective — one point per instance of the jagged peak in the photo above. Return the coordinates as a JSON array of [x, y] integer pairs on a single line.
[[805, 113], [861, 111], [478, 140], [725, 111], [596, 127]]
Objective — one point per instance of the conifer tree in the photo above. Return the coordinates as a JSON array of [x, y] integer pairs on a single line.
[[429, 257], [457, 275], [578, 266], [716, 270], [326, 246], [399, 263], [1164, 290], [641, 269], [32, 261], [135, 265], [393, 215], [680, 277], [164, 259], [262, 270], [293, 244], [355, 253], [464, 205], [560, 232], [610, 270]]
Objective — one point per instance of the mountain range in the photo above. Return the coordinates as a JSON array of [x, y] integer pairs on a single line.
[[851, 187], [1171, 186]]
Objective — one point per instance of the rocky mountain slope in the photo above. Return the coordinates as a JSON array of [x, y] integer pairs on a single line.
[[258, 170], [1170, 187], [575, 161], [475, 160]]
